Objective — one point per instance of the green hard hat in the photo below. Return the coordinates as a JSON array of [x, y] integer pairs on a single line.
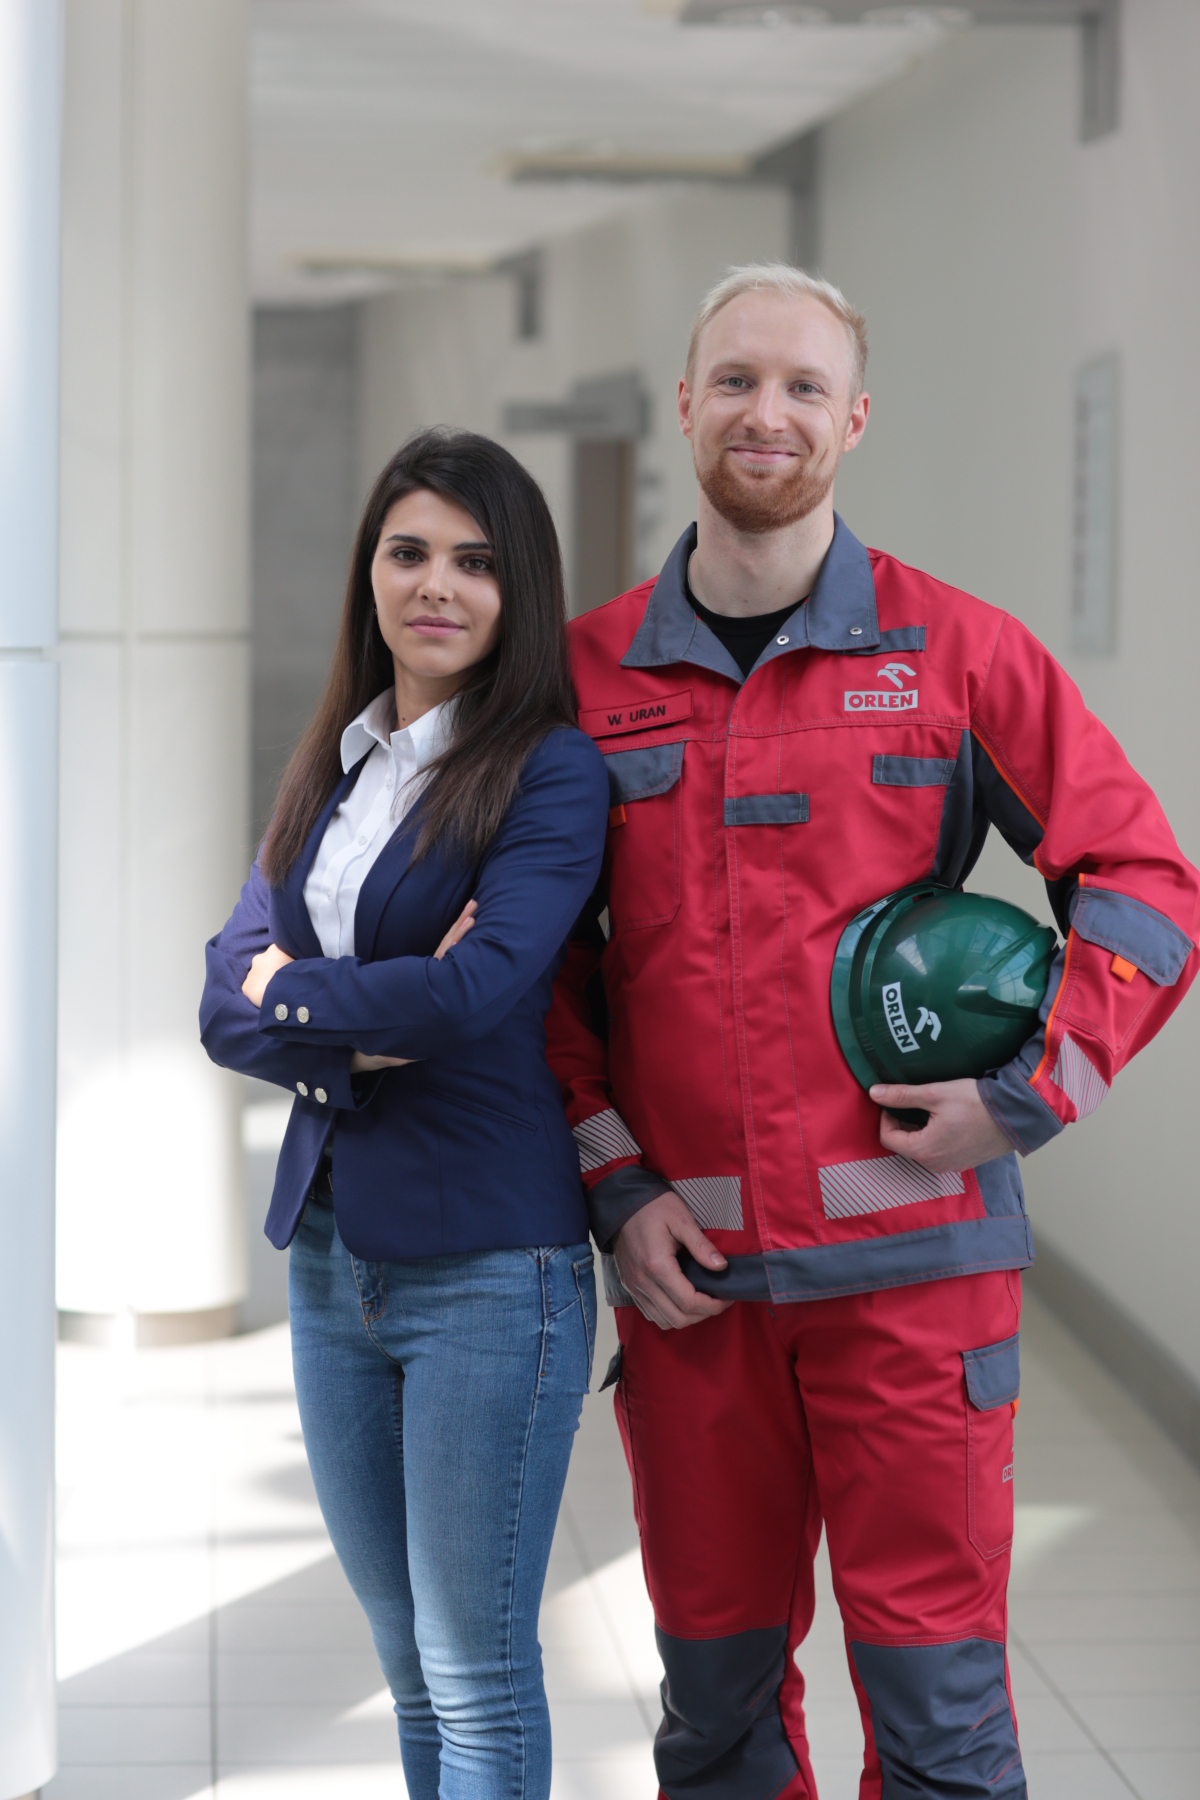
[[932, 984]]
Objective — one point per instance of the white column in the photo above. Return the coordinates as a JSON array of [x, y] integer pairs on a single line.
[[155, 647], [30, 138]]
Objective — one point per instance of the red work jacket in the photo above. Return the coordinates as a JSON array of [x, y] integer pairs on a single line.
[[889, 723]]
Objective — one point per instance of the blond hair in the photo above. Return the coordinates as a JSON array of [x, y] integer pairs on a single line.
[[796, 284]]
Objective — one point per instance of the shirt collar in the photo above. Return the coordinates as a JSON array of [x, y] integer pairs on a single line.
[[839, 614], [427, 736]]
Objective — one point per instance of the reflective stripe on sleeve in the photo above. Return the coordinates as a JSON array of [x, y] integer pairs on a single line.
[[603, 1138]]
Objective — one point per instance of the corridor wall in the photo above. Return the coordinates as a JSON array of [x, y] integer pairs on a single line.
[[994, 254], [617, 297], [305, 501]]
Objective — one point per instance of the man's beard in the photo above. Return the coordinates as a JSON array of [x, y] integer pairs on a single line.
[[760, 503]]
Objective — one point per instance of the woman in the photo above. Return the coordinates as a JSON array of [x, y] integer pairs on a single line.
[[437, 832]]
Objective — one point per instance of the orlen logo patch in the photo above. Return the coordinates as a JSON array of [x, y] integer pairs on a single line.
[[897, 1023], [893, 699]]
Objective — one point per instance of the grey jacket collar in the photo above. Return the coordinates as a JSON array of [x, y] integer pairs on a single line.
[[839, 614]]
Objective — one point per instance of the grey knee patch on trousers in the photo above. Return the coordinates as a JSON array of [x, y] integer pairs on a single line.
[[722, 1737], [942, 1720]]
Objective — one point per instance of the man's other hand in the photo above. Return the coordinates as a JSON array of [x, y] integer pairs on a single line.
[[647, 1251], [961, 1132]]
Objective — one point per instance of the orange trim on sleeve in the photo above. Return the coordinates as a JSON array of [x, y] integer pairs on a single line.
[[1008, 781], [1072, 940], [616, 815], [1125, 971]]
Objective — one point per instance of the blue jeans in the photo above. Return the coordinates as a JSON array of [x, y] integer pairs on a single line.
[[439, 1398]]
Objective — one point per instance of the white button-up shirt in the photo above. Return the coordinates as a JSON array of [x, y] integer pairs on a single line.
[[388, 786]]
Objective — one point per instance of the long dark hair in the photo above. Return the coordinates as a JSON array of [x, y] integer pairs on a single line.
[[508, 702]]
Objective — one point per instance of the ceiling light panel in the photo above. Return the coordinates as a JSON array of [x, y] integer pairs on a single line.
[[385, 131]]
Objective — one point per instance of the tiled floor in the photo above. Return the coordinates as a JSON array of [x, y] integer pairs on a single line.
[[210, 1650]]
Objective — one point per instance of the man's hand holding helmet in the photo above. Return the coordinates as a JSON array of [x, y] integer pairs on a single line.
[[960, 1134], [951, 984]]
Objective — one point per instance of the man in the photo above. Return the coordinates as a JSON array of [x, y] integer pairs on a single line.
[[818, 1309]]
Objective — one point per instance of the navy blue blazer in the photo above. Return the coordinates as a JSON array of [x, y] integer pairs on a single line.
[[467, 1148]]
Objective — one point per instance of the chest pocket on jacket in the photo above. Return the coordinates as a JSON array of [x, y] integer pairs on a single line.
[[644, 835]]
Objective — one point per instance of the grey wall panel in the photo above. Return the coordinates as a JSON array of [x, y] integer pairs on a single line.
[[305, 502]]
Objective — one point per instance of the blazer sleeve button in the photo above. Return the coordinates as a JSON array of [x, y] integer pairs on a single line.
[[302, 1089], [302, 1014], [281, 1011], [321, 1095]]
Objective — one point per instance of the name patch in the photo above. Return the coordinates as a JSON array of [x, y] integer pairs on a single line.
[[636, 715], [871, 700]]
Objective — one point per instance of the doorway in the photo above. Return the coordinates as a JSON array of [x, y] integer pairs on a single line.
[[605, 495]]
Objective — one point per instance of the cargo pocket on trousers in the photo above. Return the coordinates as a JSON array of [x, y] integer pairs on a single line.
[[993, 1379]]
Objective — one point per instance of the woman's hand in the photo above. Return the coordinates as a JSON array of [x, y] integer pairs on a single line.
[[458, 930], [360, 1062], [265, 964]]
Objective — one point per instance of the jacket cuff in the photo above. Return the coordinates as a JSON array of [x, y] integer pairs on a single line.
[[326, 1083], [284, 1017], [323, 1074], [1021, 1114], [615, 1198]]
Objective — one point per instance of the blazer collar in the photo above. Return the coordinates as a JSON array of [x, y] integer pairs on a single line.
[[839, 614], [291, 927], [383, 878]]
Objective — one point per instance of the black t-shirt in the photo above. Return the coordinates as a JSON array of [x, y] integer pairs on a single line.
[[745, 639]]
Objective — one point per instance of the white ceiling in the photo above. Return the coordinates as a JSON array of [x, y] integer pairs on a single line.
[[385, 131]]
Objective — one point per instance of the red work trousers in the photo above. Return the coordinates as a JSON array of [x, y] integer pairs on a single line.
[[888, 1415]]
